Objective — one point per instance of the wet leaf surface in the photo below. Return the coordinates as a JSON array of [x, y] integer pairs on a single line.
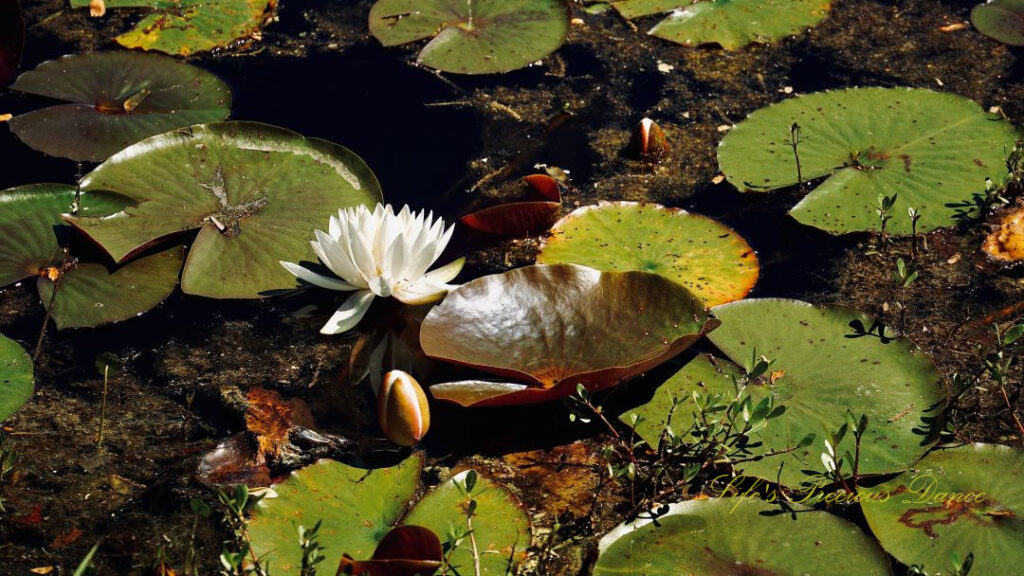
[[549, 328], [933, 150], [958, 501], [184, 27], [473, 36], [114, 99], [731, 24], [707, 257], [739, 537], [255, 192]]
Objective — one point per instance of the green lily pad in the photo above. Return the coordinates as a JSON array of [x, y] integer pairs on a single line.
[[183, 27], [473, 36], [1002, 20], [932, 149], [32, 233], [115, 99], [254, 191], [16, 380], [358, 507], [551, 328], [732, 24], [739, 537], [959, 501], [702, 254], [827, 360]]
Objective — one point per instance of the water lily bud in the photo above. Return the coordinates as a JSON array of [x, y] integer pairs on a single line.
[[648, 142], [402, 409]]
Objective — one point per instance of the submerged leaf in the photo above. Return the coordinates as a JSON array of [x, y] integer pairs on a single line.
[[549, 328], [739, 536], [114, 99], [474, 36], [931, 150], [954, 503], [1002, 20], [183, 27], [693, 250], [732, 24], [16, 379], [255, 192]]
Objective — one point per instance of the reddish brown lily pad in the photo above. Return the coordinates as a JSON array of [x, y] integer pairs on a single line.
[[532, 216], [549, 328], [404, 551]]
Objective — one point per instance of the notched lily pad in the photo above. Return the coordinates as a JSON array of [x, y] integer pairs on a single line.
[[360, 507], [1002, 20], [827, 360], [32, 237], [12, 39], [732, 24], [16, 379], [183, 27], [473, 36], [959, 501], [933, 150], [255, 192], [693, 250], [549, 328], [113, 100], [739, 536]]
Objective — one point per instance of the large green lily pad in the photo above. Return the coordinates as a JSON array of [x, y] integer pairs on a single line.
[[732, 24], [255, 192], [16, 381], [473, 36], [358, 507], [827, 360], [551, 328], [959, 501], [32, 233], [702, 254], [931, 149], [115, 99], [739, 537], [183, 27], [1002, 20]]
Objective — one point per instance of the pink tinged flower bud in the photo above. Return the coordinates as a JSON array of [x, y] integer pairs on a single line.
[[402, 409]]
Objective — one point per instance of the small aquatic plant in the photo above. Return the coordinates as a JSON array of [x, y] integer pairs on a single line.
[[383, 254]]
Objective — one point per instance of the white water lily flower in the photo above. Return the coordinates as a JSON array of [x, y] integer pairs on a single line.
[[381, 254]]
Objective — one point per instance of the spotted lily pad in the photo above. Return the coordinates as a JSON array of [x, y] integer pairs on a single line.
[[960, 501], [12, 38], [16, 380], [704, 255], [550, 328], [1002, 20], [732, 24], [255, 192], [91, 292], [827, 360], [359, 507], [932, 150], [183, 27], [736, 537], [114, 99], [473, 36]]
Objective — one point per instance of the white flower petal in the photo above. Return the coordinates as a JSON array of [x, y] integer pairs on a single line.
[[336, 259], [422, 292], [349, 314], [361, 251], [446, 273], [318, 279]]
